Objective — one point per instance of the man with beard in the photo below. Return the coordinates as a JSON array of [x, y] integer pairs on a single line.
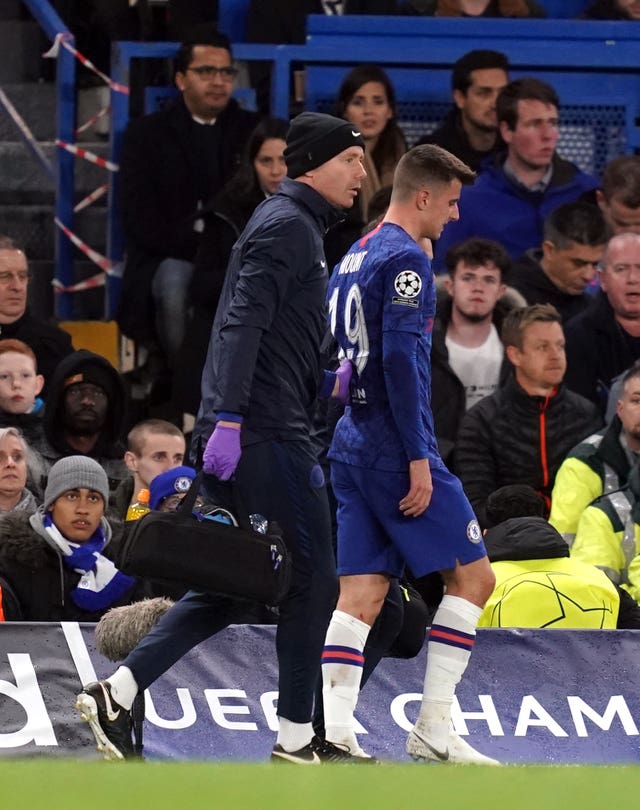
[[466, 353], [605, 340], [85, 415], [523, 431], [470, 130], [517, 191]]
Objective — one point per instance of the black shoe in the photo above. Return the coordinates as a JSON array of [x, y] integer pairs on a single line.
[[317, 752], [110, 723]]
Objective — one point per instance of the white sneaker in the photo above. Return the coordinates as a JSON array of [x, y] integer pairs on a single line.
[[457, 752]]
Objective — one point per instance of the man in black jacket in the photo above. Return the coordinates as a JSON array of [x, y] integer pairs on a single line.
[[259, 390], [48, 343], [470, 130], [171, 164], [466, 353], [522, 432], [561, 269], [605, 341]]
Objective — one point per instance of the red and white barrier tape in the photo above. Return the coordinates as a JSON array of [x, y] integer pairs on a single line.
[[62, 39], [22, 126], [97, 258], [85, 154], [93, 120], [98, 280], [90, 198]]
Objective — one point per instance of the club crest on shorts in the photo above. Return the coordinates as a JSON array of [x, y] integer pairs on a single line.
[[407, 284], [474, 532]]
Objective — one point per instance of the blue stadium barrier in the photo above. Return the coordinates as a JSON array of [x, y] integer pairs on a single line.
[[593, 66], [232, 18], [52, 25]]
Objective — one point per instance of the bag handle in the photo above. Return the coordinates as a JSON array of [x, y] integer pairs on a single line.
[[189, 500]]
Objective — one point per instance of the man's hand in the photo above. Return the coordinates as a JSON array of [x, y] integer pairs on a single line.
[[418, 498], [223, 451], [343, 373]]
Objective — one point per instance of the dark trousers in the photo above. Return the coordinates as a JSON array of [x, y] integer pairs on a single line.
[[283, 482]]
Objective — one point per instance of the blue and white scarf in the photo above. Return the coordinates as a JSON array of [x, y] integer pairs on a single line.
[[101, 584]]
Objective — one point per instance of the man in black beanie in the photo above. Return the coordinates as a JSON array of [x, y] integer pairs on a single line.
[[261, 380]]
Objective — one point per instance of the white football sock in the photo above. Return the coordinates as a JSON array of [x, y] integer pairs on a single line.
[[342, 663], [123, 687], [293, 736]]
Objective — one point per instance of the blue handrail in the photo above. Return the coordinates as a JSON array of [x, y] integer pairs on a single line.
[[52, 25]]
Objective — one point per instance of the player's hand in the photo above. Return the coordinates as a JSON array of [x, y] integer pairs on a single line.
[[341, 391], [418, 498]]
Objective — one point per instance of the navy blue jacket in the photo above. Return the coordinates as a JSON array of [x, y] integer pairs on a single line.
[[264, 359], [495, 207]]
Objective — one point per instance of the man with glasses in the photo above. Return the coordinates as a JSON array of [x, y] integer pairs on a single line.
[[48, 343], [172, 163]]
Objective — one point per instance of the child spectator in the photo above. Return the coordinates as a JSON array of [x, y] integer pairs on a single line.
[[20, 384]]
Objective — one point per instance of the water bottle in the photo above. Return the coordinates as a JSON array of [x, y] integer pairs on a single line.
[[140, 506]]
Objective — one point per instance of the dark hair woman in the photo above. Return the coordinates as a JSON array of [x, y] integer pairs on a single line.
[[258, 176], [367, 99]]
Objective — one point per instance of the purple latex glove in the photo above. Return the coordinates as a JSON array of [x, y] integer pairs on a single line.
[[222, 453], [343, 373]]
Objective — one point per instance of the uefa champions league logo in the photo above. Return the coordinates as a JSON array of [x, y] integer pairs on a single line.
[[407, 284]]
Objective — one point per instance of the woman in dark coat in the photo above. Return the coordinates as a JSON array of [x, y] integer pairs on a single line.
[[259, 175]]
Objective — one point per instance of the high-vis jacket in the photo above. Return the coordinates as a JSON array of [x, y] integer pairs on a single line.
[[597, 466]]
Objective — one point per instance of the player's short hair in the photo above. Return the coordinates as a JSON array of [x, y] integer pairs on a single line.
[[621, 179], [428, 165], [461, 78], [477, 252], [137, 436], [199, 34], [527, 89], [517, 320], [576, 223], [513, 501], [18, 347]]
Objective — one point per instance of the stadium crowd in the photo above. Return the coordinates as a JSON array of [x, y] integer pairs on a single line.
[[534, 373]]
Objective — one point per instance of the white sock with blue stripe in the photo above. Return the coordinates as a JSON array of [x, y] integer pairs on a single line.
[[451, 639], [342, 662]]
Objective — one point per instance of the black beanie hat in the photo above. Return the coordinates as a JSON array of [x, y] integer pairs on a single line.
[[315, 138]]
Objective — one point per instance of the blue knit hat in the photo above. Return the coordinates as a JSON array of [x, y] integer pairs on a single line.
[[175, 481]]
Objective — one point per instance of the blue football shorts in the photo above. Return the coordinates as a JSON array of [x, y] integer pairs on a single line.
[[375, 537]]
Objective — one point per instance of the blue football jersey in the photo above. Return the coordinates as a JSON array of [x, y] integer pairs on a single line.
[[381, 303]]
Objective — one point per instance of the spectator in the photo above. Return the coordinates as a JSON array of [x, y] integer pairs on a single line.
[[20, 384], [523, 431], [606, 535], [470, 130], [605, 340], [601, 463], [85, 415], [619, 194], [172, 163], [466, 353], [562, 268], [49, 343], [514, 194], [475, 8], [537, 583], [284, 22], [14, 494], [52, 562], [612, 10], [153, 446], [260, 173], [367, 99]]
